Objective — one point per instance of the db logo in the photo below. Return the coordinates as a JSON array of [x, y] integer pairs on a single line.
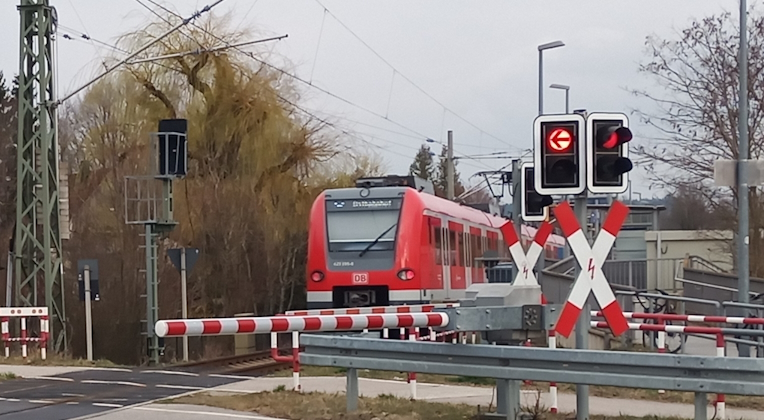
[[360, 278]]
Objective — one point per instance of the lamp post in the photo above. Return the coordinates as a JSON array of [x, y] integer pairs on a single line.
[[566, 88], [542, 48]]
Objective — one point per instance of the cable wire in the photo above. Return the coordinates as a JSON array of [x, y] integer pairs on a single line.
[[326, 10]]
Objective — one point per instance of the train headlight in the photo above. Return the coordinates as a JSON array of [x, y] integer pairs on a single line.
[[406, 274], [317, 276]]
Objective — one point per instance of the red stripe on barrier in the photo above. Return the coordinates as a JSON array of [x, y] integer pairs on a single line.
[[405, 321], [375, 321], [280, 324], [326, 312], [567, 319], [210, 327], [352, 311], [246, 325], [176, 328], [434, 319], [378, 310], [615, 319], [543, 233], [615, 218], [566, 218], [344, 322], [300, 313], [403, 309], [312, 323], [703, 330], [510, 235]]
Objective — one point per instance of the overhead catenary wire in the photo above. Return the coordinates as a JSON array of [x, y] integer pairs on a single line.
[[148, 45], [398, 72], [286, 73]]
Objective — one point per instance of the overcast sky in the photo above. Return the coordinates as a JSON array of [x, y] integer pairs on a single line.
[[479, 59]]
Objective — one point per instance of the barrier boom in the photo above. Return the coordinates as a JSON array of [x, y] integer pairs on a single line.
[[262, 325]]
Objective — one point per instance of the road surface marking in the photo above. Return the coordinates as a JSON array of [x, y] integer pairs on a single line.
[[13, 399], [50, 378], [180, 387], [108, 405], [207, 413], [110, 369], [215, 375], [171, 372], [41, 402], [93, 381], [72, 403], [66, 394]]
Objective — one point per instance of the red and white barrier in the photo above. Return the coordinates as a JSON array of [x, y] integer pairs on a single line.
[[665, 328], [261, 325], [403, 309], [24, 313], [690, 318]]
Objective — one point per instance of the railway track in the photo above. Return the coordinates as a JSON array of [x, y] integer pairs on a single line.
[[259, 363]]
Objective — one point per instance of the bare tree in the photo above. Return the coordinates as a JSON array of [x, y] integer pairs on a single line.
[[695, 115]]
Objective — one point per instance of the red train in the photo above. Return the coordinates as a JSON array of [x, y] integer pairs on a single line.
[[387, 243]]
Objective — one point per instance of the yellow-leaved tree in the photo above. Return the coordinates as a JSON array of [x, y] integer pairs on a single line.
[[257, 160]]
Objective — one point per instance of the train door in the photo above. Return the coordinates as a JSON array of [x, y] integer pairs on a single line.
[[466, 251], [432, 279], [455, 239], [445, 250], [476, 252]]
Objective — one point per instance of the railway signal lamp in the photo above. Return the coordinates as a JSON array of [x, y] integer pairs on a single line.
[[607, 153], [558, 154], [534, 206]]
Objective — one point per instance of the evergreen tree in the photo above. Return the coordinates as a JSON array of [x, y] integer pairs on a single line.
[[440, 181], [423, 165]]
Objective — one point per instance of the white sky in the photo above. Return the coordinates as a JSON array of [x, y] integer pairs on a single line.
[[479, 59]]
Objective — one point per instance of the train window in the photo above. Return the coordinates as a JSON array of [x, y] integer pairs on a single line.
[[454, 260], [466, 248], [438, 245], [479, 246], [474, 244]]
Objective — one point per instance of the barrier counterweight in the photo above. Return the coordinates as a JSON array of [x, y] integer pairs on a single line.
[[263, 325]]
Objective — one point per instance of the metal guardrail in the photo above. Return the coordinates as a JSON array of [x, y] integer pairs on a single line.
[[699, 374]]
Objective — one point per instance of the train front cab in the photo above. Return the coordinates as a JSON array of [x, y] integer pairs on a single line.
[[361, 249]]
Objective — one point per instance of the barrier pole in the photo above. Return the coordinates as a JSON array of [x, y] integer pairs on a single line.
[[44, 325], [413, 335], [553, 385], [24, 337], [721, 409], [6, 337], [296, 360], [661, 346]]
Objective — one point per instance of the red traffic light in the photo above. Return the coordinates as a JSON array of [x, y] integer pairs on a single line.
[[560, 140], [615, 136]]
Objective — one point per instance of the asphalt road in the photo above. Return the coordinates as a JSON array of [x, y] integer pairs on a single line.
[[84, 393]]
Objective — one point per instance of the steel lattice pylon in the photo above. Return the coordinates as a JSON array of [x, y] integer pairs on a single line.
[[37, 238]]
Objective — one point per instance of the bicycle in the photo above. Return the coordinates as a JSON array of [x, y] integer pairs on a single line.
[[673, 341]]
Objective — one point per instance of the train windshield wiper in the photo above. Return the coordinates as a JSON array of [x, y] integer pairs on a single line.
[[377, 240]]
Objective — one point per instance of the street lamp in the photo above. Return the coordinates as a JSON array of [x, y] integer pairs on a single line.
[[566, 88], [542, 47]]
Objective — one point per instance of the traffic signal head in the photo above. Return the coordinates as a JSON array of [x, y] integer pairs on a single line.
[[558, 154], [534, 206], [607, 152]]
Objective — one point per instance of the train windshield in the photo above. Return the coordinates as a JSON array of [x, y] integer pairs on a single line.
[[354, 225]]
